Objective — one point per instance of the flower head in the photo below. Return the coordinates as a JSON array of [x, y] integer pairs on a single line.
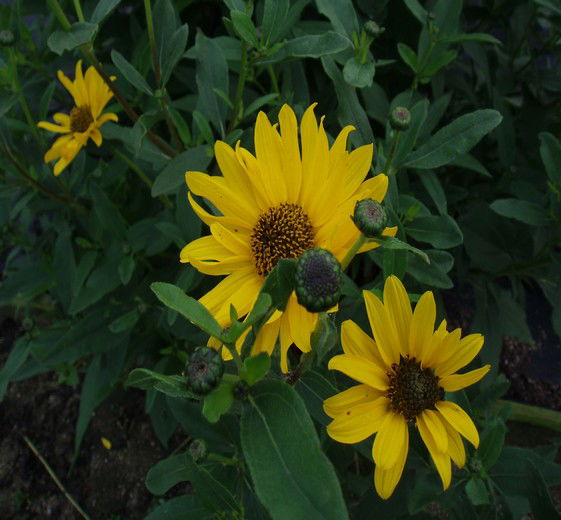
[[403, 375], [292, 195], [90, 94]]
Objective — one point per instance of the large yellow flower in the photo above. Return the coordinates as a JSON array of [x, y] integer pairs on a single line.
[[404, 374], [90, 94], [291, 195]]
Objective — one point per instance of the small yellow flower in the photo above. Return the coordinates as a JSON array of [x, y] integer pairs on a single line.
[[90, 94], [292, 195], [404, 373]]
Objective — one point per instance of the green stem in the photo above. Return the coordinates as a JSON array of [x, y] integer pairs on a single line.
[[273, 77], [361, 240], [59, 13], [141, 174], [152, 40], [228, 461], [535, 415], [232, 348], [78, 9], [239, 90], [395, 143]]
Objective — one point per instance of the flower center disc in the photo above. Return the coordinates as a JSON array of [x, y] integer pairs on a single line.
[[80, 119], [412, 388], [283, 231]]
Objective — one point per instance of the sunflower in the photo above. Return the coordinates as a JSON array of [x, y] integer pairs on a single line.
[[404, 373], [290, 196], [91, 94]]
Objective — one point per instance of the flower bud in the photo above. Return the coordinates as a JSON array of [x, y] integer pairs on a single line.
[[370, 217], [373, 29], [400, 118], [7, 38], [204, 370], [198, 450], [318, 280]]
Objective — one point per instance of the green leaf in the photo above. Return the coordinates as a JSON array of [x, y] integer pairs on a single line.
[[277, 432], [273, 26], [255, 368], [341, 14], [469, 162], [174, 298], [435, 65], [258, 103], [550, 151], [434, 274], [173, 174], [218, 402], [540, 499], [167, 473], [279, 283], [521, 210], [396, 244], [408, 56], [417, 10], [492, 442], [310, 46], [124, 322], [103, 9], [470, 37], [245, 28], [174, 385], [477, 491], [126, 269], [130, 73], [409, 137], [184, 507], [80, 33], [314, 387], [435, 190], [324, 337], [175, 50], [455, 139], [17, 357], [440, 231], [358, 74]]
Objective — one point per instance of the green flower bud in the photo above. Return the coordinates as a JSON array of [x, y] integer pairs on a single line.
[[204, 370], [400, 118], [373, 29], [198, 450], [370, 217], [7, 38], [318, 280], [27, 323]]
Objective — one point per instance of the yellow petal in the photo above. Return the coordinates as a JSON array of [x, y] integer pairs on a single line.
[[422, 325], [456, 382], [459, 420], [440, 457], [109, 116], [385, 480], [53, 128], [341, 402], [302, 323], [398, 307], [456, 448], [209, 219], [459, 355], [95, 134], [267, 338], [70, 87], [432, 423], [356, 342], [359, 164], [285, 341], [292, 163], [360, 370], [389, 441], [358, 422], [383, 335], [234, 239]]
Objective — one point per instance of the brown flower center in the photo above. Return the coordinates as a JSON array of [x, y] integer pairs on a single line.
[[80, 119], [283, 231], [412, 388]]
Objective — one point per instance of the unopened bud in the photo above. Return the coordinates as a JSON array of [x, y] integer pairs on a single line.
[[373, 29], [7, 38], [370, 217], [204, 370], [318, 280], [198, 450], [400, 118]]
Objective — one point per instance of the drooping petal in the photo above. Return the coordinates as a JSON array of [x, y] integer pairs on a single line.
[[432, 423], [267, 338], [385, 480], [440, 458], [53, 128], [358, 422], [459, 420], [360, 370], [455, 382], [456, 448], [389, 441], [341, 402]]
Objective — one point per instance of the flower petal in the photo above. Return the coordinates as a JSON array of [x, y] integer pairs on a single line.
[[53, 128], [459, 355], [389, 441], [456, 382], [356, 342], [456, 448], [422, 325], [385, 480], [440, 458], [359, 422], [431, 421], [384, 336], [459, 420], [341, 402], [398, 307], [360, 370]]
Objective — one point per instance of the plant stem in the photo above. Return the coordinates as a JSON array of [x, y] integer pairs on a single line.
[[232, 348], [141, 174], [535, 415], [59, 13], [239, 90], [274, 81], [361, 240], [78, 9], [223, 460], [152, 40], [396, 139], [52, 474]]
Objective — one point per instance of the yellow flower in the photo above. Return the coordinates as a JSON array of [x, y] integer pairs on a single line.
[[288, 197], [90, 94], [404, 373]]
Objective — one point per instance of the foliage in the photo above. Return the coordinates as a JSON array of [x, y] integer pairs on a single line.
[[90, 258]]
